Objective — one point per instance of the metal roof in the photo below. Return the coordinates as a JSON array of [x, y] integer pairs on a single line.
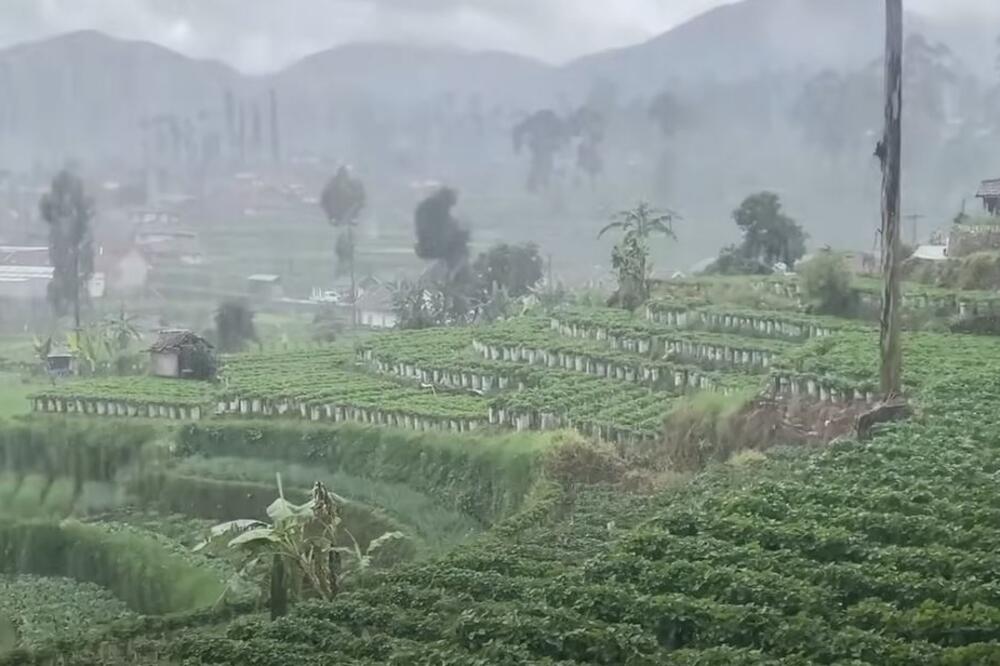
[[4, 249], [27, 272]]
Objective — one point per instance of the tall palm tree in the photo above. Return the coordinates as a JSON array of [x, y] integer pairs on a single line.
[[644, 221], [630, 256]]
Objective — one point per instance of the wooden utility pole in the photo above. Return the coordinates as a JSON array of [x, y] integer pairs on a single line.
[[889, 151]]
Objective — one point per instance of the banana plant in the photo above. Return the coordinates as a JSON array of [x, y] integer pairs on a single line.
[[301, 542], [88, 348], [42, 348]]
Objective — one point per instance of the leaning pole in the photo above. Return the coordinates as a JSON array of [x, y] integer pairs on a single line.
[[890, 152]]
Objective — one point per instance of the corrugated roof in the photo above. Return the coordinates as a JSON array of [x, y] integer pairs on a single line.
[[989, 188], [27, 272], [23, 248]]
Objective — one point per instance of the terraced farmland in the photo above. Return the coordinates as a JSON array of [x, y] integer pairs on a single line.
[[862, 553], [878, 553], [604, 372]]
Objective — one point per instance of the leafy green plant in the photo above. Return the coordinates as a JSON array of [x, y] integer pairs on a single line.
[[630, 256], [827, 284], [300, 543]]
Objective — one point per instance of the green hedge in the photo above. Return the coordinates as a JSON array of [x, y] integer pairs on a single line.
[[88, 450], [145, 573], [229, 500], [485, 476]]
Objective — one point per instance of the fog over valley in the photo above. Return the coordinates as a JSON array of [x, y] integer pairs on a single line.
[[754, 95]]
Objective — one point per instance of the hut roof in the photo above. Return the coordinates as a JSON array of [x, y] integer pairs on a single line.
[[989, 189], [176, 340]]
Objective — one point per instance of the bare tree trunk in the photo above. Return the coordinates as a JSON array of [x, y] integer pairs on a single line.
[[890, 153], [275, 131], [279, 588], [76, 292]]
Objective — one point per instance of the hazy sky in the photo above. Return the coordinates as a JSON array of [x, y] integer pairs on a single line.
[[261, 35]]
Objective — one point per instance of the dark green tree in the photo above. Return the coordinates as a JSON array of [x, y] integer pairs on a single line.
[[544, 134], [588, 126], [68, 211], [668, 114], [274, 122], [513, 268], [769, 235], [440, 237], [234, 326], [342, 200]]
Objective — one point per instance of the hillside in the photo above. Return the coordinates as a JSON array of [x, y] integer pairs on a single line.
[[743, 40], [84, 93]]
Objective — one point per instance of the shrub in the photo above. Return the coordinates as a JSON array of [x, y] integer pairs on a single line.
[[826, 282], [734, 261], [987, 324]]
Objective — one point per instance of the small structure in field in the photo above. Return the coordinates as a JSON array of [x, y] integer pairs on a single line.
[[989, 192], [181, 353], [375, 308], [265, 287], [60, 363]]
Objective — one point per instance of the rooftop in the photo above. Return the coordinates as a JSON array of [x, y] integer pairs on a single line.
[[177, 339], [989, 188]]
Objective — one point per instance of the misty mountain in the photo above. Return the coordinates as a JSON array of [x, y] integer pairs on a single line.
[[87, 95], [752, 111], [744, 40]]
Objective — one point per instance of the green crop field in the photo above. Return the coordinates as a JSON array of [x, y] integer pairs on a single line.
[[14, 392], [512, 456]]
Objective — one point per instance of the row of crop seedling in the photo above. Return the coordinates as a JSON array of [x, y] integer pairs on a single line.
[[101, 407], [334, 413]]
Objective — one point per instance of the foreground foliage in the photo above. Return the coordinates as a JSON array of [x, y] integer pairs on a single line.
[[877, 553], [34, 610]]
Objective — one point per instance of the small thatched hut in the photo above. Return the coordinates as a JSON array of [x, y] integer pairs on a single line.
[[181, 353]]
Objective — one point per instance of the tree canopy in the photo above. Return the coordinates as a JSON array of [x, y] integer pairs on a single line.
[[439, 235], [343, 198], [68, 210], [513, 268], [769, 235], [234, 326]]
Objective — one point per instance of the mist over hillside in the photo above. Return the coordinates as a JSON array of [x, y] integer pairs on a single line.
[[762, 94]]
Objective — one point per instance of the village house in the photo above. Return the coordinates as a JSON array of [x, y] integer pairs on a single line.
[[982, 234], [989, 192], [374, 308], [25, 273], [181, 353], [170, 246], [265, 287]]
